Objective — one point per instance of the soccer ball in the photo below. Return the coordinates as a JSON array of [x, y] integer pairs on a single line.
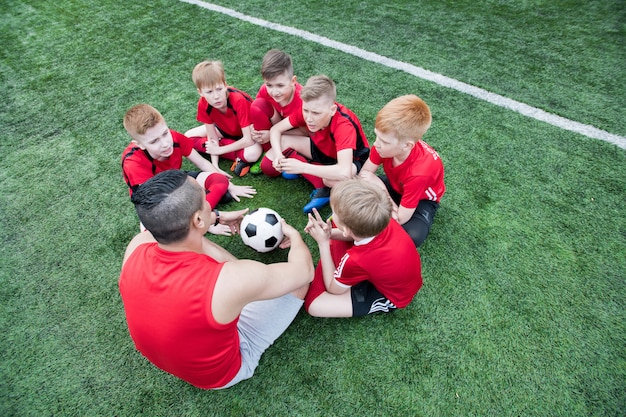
[[261, 229]]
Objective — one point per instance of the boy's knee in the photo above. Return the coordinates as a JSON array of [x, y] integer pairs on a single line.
[[417, 231], [261, 112]]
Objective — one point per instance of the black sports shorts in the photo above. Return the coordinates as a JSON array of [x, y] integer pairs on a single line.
[[366, 299]]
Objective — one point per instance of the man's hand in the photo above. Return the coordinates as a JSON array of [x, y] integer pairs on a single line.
[[289, 233], [232, 219]]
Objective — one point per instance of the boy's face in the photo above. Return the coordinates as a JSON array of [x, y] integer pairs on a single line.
[[281, 88], [157, 141], [388, 145], [317, 113], [339, 225], [216, 95]]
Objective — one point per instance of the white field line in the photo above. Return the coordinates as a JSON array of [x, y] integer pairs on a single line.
[[498, 100]]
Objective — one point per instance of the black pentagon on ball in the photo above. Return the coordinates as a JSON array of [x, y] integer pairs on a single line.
[[271, 219], [271, 242], [250, 230]]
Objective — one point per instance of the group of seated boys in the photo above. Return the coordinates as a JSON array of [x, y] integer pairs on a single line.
[[195, 310]]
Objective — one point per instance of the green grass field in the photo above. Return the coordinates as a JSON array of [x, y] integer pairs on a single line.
[[524, 301]]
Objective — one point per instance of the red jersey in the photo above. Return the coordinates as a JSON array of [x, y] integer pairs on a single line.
[[293, 107], [138, 166], [419, 177], [389, 262], [343, 132], [237, 114], [167, 300]]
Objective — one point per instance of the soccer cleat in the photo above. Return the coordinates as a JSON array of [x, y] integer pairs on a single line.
[[290, 176], [226, 198], [240, 168], [256, 168], [319, 198]]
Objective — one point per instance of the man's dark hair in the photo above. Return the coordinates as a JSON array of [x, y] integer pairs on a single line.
[[165, 204]]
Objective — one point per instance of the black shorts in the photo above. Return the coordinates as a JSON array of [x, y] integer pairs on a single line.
[[358, 159], [366, 299]]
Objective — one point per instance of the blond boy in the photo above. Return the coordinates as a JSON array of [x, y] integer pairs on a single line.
[[225, 112]]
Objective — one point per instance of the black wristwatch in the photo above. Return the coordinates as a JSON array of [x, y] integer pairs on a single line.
[[217, 216]]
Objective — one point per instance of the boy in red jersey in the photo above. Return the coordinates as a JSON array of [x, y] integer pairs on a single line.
[[335, 149], [155, 148], [278, 98], [413, 170], [368, 263], [192, 308], [225, 112]]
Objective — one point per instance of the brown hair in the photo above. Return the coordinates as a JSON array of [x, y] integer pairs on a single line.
[[362, 206], [275, 63], [408, 117]]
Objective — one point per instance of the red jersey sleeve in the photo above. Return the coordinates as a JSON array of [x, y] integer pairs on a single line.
[[297, 119], [241, 106], [375, 156], [349, 273], [202, 116], [185, 144]]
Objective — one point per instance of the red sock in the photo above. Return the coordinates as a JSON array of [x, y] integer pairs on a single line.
[[267, 168], [215, 187]]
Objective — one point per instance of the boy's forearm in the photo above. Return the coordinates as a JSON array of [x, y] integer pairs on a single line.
[[328, 265]]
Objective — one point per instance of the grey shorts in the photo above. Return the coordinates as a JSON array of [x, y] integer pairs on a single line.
[[260, 324]]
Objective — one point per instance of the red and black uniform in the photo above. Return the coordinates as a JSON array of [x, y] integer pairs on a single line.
[[343, 132], [263, 108], [388, 261], [138, 167], [228, 124], [293, 107], [418, 183]]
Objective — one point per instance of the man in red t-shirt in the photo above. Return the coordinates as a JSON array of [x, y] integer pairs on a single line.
[[192, 308], [335, 149], [414, 174], [368, 263], [225, 112], [155, 148]]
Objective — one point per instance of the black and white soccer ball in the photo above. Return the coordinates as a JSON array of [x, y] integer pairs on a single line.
[[261, 229]]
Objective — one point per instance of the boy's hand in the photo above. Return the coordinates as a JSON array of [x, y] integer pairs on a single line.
[[212, 147], [237, 191], [221, 229], [292, 166], [319, 229], [260, 136], [278, 162]]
